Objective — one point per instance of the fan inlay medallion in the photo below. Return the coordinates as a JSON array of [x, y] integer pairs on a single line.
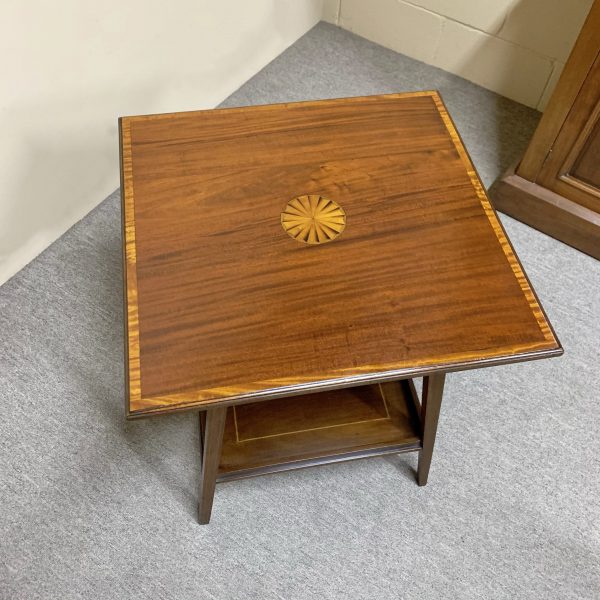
[[313, 219]]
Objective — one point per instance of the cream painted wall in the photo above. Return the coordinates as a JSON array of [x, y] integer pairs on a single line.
[[69, 69], [516, 48]]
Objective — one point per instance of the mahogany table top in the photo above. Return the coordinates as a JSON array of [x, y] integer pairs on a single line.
[[283, 249]]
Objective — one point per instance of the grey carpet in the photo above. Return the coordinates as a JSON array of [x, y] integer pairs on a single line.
[[96, 507]]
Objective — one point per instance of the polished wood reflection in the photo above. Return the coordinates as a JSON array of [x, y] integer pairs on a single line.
[[223, 307]]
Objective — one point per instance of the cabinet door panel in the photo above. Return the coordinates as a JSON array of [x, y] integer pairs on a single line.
[[587, 165], [572, 168]]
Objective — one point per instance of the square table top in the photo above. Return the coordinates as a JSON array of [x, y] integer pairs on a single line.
[[284, 249]]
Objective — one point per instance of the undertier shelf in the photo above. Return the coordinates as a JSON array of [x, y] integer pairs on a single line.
[[302, 431]]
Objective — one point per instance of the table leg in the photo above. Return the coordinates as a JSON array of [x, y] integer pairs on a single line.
[[433, 388], [212, 425]]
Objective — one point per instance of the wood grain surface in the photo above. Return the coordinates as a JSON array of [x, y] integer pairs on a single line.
[[282, 434], [224, 307]]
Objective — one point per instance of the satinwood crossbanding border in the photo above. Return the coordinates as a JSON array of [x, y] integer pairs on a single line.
[[132, 326], [494, 221]]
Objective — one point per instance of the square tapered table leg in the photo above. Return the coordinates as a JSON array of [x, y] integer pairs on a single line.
[[433, 389], [212, 425]]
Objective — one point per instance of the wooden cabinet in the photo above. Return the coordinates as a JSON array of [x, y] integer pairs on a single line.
[[556, 187]]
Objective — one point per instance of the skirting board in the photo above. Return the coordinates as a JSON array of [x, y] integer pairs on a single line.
[[549, 212]]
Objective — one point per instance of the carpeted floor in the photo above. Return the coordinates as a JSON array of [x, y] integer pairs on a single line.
[[96, 507]]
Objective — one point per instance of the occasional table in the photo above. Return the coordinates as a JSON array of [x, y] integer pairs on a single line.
[[290, 268]]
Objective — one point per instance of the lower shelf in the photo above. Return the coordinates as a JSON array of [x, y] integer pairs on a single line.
[[303, 431]]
